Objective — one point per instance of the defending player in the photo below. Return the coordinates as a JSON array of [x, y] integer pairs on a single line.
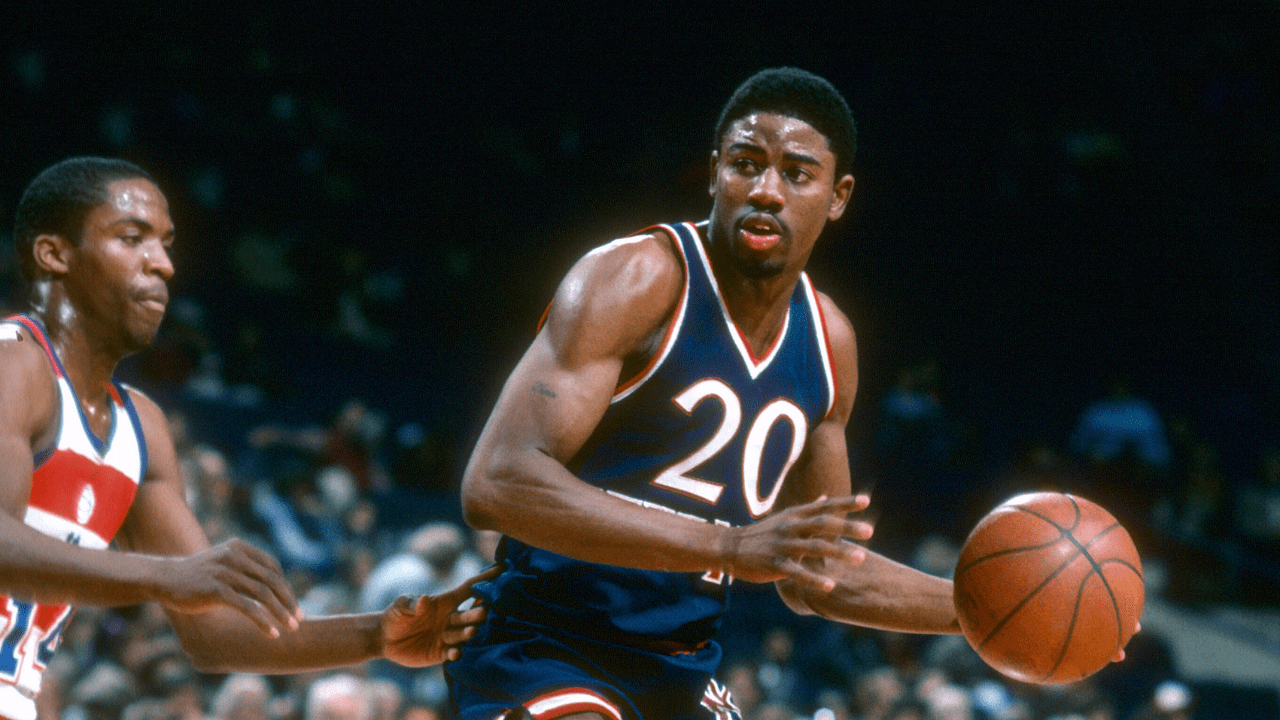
[[678, 422], [85, 460]]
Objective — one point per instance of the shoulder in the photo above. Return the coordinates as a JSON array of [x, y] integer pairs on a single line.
[[624, 290], [843, 343], [28, 387], [155, 424], [839, 327]]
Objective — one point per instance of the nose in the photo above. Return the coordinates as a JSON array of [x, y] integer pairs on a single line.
[[766, 191], [157, 259]]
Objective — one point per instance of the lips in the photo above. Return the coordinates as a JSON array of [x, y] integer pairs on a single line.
[[154, 300], [760, 232]]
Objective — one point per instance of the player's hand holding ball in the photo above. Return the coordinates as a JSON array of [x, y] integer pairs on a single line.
[[1048, 588]]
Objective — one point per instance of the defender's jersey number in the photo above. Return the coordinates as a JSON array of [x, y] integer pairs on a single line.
[[676, 476], [15, 630]]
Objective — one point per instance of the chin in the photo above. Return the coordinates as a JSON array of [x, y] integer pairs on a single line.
[[756, 268]]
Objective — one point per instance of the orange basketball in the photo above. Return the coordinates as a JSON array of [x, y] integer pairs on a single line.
[[1048, 588]]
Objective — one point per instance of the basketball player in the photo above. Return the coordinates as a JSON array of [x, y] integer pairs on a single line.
[[679, 423], [85, 460]]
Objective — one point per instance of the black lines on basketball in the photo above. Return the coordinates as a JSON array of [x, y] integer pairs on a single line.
[[1025, 599]]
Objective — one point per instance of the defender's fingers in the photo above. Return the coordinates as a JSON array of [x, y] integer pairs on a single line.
[[252, 610], [266, 569], [264, 597], [468, 617], [457, 636]]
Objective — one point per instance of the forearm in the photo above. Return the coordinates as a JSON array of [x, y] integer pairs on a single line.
[[38, 568], [534, 499], [222, 641], [883, 594]]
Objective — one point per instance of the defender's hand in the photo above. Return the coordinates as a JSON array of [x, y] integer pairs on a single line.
[[430, 629], [234, 574], [774, 548]]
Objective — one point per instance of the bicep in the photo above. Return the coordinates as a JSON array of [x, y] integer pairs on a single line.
[[160, 522], [823, 469], [549, 404], [606, 310], [28, 413]]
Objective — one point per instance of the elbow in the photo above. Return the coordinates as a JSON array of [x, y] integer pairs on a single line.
[[484, 494], [795, 597]]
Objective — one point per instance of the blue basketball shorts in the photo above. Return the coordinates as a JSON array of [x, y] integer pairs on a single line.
[[513, 665]]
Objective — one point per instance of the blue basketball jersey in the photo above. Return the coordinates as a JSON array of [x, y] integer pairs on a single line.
[[708, 430]]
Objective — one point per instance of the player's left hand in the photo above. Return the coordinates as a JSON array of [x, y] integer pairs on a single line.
[[429, 629], [1120, 654]]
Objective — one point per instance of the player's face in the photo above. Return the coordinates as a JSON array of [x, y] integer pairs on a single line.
[[774, 189], [118, 272]]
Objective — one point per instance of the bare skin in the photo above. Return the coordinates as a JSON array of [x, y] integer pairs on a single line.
[[231, 607]]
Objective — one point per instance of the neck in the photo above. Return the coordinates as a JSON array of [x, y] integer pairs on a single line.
[[758, 306], [88, 361]]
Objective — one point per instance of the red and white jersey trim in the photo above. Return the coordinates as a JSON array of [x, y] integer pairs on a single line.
[[571, 700], [824, 340], [673, 329]]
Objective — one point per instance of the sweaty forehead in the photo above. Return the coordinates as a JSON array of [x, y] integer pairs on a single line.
[[136, 200], [766, 128], [134, 195]]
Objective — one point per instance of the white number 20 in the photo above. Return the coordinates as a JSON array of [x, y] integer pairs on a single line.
[[675, 477]]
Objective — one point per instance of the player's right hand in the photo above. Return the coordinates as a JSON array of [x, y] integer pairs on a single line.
[[776, 547], [233, 574]]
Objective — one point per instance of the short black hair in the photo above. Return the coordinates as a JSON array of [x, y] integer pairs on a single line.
[[60, 198], [800, 94]]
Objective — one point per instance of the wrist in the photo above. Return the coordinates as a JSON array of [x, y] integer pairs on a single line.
[[727, 540]]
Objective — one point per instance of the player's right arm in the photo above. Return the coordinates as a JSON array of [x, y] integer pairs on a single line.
[[611, 308], [38, 568]]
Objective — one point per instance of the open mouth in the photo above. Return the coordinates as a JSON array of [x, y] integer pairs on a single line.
[[760, 233]]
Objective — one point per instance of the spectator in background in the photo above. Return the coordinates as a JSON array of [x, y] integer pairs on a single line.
[[876, 692], [917, 462], [1119, 427], [339, 697], [907, 708], [1172, 700], [435, 553], [1258, 506], [1122, 441], [242, 696]]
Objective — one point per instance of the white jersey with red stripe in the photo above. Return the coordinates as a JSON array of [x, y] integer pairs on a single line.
[[81, 491]]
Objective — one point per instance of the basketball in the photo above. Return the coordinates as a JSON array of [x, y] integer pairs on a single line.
[[1048, 588]]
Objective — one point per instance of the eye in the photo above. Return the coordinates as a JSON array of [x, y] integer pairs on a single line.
[[798, 175], [745, 165]]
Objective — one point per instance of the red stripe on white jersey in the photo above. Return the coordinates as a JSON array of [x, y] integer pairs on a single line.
[[87, 493]]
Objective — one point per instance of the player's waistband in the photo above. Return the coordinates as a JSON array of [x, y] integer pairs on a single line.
[[654, 645]]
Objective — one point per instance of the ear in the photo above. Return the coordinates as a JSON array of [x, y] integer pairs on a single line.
[[711, 183], [840, 197], [52, 254]]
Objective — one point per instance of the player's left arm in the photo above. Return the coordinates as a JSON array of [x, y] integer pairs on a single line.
[[226, 632], [877, 592]]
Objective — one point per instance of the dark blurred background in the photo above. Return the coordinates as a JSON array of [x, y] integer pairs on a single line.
[[374, 205]]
